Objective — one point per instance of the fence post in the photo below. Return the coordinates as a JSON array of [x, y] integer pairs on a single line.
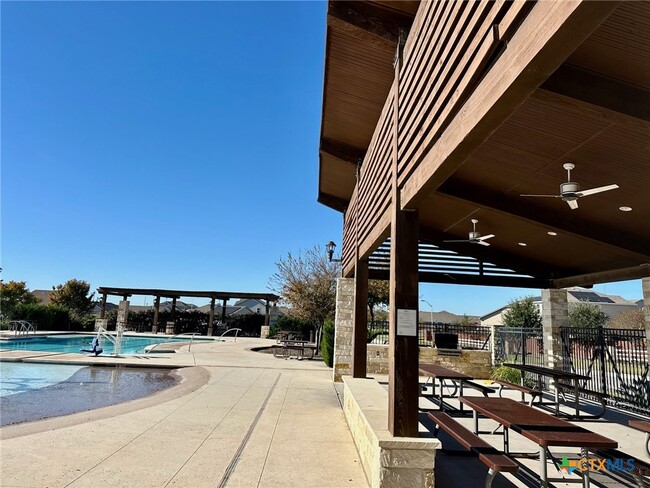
[[645, 283], [601, 355], [523, 347], [493, 344]]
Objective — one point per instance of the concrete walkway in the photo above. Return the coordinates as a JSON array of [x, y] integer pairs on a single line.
[[258, 421]]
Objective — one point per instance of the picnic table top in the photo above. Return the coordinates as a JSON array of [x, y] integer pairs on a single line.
[[540, 427], [555, 373], [441, 372]]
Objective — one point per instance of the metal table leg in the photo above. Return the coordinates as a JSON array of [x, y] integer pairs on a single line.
[[585, 474], [543, 476], [475, 415], [577, 396]]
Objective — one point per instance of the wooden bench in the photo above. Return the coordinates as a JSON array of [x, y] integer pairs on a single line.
[[602, 397], [523, 389], [485, 389], [495, 460], [643, 426], [640, 470]]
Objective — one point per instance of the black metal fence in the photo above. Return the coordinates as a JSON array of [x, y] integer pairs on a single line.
[[468, 336], [614, 359], [519, 345]]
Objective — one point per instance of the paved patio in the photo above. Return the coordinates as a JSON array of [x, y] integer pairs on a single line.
[[239, 419]]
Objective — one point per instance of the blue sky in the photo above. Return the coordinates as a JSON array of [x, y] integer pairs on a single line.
[[169, 145]]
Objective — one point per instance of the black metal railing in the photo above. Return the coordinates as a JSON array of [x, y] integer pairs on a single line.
[[614, 359], [466, 336], [519, 345]]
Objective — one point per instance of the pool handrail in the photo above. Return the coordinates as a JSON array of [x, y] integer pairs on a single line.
[[22, 327], [191, 334], [116, 338], [234, 328]]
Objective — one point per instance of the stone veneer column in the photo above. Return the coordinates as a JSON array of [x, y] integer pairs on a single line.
[[493, 344], [101, 323], [343, 327], [645, 283], [264, 332], [555, 314]]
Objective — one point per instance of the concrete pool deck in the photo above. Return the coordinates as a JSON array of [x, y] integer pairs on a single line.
[[251, 420]]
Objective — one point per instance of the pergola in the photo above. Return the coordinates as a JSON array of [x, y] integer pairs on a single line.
[[436, 113], [125, 293]]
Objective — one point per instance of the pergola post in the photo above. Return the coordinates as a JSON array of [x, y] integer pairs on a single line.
[[264, 333], [211, 317], [403, 350], [102, 309], [156, 311], [223, 311], [360, 321], [645, 283], [170, 328]]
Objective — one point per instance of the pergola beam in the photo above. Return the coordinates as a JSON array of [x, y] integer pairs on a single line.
[[597, 90], [631, 273], [367, 21], [342, 151], [562, 219], [465, 279]]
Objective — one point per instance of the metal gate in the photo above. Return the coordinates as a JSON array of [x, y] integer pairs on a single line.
[[519, 345], [614, 359]]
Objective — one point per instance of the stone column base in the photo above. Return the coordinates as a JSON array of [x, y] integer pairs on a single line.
[[154, 329], [264, 334], [169, 328], [209, 331], [389, 462], [101, 323]]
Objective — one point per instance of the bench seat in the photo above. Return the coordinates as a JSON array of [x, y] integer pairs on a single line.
[[494, 459], [643, 426], [485, 389], [602, 397], [523, 389]]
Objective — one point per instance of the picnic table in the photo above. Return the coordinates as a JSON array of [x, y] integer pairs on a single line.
[[302, 347], [561, 379], [543, 429], [440, 373]]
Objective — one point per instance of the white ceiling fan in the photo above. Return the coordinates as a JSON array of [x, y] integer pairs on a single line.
[[475, 237], [570, 191]]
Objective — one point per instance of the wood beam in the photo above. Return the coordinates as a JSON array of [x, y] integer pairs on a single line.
[[102, 309], [368, 21], [563, 220], [547, 36], [631, 273], [333, 202], [342, 151], [360, 320], [597, 90], [473, 280], [211, 317]]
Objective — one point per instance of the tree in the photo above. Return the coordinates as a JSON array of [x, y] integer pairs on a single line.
[[73, 295], [307, 283], [12, 294], [522, 313], [630, 319], [586, 314], [378, 295]]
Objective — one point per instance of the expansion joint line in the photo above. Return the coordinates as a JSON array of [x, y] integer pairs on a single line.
[[235, 459]]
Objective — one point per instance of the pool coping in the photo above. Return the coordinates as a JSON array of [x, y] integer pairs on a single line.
[[192, 378]]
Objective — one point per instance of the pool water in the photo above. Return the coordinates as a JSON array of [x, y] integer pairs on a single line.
[[74, 343], [22, 377]]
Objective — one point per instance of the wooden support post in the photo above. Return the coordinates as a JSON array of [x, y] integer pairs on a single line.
[[223, 312], [156, 311], [403, 351], [102, 310], [267, 314], [173, 317], [360, 323], [211, 317]]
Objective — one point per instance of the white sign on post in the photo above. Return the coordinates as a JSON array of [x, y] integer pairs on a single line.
[[407, 322]]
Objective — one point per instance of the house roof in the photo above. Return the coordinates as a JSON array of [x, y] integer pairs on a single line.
[[43, 296], [445, 317]]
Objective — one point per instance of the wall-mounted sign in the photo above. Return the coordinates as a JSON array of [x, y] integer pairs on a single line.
[[407, 322]]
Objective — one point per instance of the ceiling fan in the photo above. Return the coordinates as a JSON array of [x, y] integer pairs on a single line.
[[474, 237], [570, 191]]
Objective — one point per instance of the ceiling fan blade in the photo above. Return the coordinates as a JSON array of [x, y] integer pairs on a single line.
[[458, 240], [484, 238], [573, 204], [547, 196], [483, 243], [593, 191]]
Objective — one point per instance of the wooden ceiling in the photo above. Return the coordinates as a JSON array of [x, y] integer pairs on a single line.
[[593, 111]]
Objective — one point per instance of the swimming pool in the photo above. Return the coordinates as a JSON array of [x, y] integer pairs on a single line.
[[76, 342]]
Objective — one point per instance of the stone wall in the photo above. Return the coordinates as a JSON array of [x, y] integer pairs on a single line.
[[264, 332], [475, 363], [389, 462], [555, 314], [343, 333]]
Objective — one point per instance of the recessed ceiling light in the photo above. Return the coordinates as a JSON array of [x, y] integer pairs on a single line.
[[625, 209], [551, 233], [522, 244]]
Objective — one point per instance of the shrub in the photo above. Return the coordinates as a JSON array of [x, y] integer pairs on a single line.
[[327, 343], [522, 313], [47, 317], [585, 314], [511, 375]]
